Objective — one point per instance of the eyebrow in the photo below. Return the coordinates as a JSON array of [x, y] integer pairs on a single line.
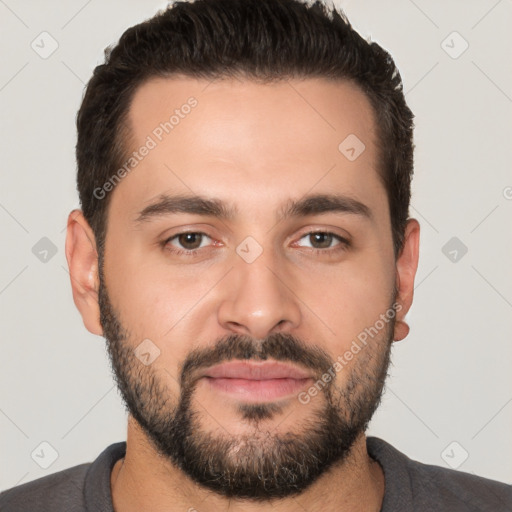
[[192, 204], [324, 203], [198, 205]]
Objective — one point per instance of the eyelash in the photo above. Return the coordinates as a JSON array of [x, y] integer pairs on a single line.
[[183, 252], [343, 245]]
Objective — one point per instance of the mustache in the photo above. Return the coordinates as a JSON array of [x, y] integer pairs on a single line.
[[279, 346]]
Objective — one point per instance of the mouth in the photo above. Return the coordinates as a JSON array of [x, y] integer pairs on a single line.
[[257, 381]]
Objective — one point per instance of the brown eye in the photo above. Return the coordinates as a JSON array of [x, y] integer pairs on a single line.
[[187, 242], [321, 240], [190, 240]]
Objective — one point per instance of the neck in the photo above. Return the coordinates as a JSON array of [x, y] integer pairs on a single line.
[[144, 480]]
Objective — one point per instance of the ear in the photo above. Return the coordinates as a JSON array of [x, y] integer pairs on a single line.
[[82, 258], [406, 266]]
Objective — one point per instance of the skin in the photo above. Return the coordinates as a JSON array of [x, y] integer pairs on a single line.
[[254, 147]]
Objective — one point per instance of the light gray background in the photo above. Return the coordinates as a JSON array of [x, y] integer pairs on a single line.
[[451, 379]]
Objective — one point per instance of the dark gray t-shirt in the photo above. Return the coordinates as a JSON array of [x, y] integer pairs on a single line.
[[410, 487]]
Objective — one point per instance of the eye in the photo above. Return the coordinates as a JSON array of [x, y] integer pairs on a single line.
[[187, 242], [324, 240]]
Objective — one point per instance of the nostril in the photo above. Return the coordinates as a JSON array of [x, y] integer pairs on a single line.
[[235, 326], [280, 323]]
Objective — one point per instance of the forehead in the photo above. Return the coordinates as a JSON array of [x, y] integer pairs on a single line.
[[229, 137]]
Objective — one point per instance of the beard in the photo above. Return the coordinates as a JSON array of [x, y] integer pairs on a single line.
[[264, 464]]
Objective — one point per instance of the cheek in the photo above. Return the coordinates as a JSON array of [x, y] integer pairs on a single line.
[[347, 298], [160, 302]]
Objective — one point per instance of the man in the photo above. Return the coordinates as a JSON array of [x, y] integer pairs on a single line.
[[244, 246]]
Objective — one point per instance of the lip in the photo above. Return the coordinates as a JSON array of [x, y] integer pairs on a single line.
[[251, 370], [257, 381]]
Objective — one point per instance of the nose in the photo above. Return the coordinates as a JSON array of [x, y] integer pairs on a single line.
[[258, 299]]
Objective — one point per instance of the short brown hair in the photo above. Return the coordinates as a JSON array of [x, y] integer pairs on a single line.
[[262, 40]]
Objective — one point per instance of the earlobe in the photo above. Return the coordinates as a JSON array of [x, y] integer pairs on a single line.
[[82, 258], [406, 266]]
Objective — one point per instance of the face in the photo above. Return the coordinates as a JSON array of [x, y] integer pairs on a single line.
[[248, 284]]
